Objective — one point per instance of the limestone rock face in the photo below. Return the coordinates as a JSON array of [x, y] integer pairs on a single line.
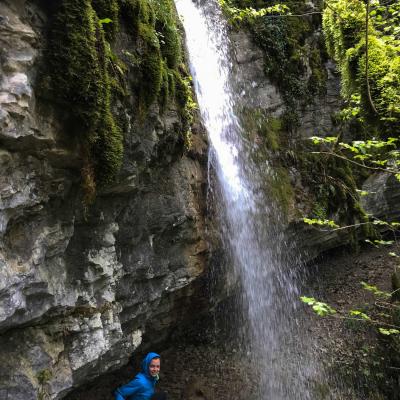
[[254, 88], [260, 94], [81, 289], [383, 195]]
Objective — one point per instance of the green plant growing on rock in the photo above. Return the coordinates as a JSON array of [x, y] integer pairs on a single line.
[[383, 322], [86, 77], [108, 14], [160, 59], [364, 38], [43, 377], [79, 61], [283, 32]]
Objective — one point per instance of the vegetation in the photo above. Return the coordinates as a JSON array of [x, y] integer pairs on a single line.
[[369, 67], [374, 331], [294, 61], [364, 38], [366, 46], [87, 78], [365, 42], [293, 57]]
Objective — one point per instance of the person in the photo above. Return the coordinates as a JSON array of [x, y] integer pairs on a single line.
[[142, 386]]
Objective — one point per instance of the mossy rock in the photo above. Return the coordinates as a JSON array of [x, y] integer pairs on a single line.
[[281, 189], [86, 77], [78, 58], [108, 9]]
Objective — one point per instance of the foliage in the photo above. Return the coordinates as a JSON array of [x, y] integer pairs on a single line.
[[344, 23], [379, 155], [107, 12], [292, 62], [371, 154], [79, 60], [316, 221], [237, 15], [382, 322], [318, 307], [86, 77]]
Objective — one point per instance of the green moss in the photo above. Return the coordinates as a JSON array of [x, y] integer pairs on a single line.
[[79, 61], [86, 77], [134, 12], [384, 78], [154, 29], [317, 81], [151, 65], [166, 26], [185, 102], [283, 41], [76, 73], [281, 189], [272, 128], [44, 376], [164, 90], [107, 150], [345, 38]]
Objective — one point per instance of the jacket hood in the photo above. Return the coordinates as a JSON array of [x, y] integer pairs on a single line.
[[146, 362]]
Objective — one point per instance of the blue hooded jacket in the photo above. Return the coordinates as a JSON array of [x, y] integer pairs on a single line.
[[141, 387]]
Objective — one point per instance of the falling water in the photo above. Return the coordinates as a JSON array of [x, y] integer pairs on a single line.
[[250, 221]]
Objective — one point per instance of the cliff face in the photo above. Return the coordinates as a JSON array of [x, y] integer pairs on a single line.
[[81, 287]]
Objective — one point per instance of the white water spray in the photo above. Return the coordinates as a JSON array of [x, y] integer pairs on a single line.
[[250, 222]]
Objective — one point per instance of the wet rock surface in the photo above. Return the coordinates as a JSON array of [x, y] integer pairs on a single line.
[[362, 361], [210, 359], [81, 288], [358, 362]]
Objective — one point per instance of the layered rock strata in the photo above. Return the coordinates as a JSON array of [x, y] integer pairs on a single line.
[[81, 287]]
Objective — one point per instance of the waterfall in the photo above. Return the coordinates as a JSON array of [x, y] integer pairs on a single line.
[[250, 221]]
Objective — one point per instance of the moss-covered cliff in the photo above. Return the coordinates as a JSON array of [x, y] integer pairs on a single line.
[[88, 77], [102, 243]]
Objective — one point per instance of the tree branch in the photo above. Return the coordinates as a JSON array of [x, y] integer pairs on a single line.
[[355, 162]]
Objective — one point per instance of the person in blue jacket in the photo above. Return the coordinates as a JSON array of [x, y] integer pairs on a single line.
[[142, 386]]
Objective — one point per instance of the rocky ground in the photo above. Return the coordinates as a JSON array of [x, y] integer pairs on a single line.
[[360, 357], [357, 359]]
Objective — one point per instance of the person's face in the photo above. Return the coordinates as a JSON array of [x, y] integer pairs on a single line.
[[154, 367]]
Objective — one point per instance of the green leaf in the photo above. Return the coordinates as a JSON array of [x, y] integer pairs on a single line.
[[375, 290], [384, 242], [359, 314], [105, 21], [321, 222], [322, 309], [379, 222], [369, 241], [388, 332]]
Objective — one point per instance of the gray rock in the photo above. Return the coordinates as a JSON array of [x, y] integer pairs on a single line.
[[255, 89], [383, 196], [80, 290]]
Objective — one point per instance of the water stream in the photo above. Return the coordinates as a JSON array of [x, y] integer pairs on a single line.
[[249, 219]]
